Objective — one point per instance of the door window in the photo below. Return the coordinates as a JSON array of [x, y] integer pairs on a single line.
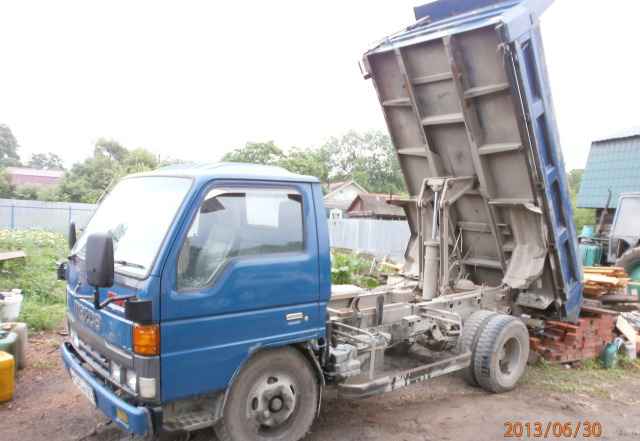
[[239, 223]]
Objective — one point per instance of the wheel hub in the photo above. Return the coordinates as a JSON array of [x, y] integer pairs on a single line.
[[508, 356], [275, 405], [272, 401]]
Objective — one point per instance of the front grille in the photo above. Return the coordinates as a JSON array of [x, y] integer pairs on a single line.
[[95, 356]]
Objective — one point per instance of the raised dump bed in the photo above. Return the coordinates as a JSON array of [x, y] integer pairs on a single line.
[[466, 97]]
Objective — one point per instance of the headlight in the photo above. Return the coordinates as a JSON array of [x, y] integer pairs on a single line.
[[132, 380], [115, 372]]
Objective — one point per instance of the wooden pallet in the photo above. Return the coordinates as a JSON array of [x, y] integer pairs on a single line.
[[562, 342]]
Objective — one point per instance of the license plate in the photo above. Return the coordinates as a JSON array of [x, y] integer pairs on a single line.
[[84, 387]]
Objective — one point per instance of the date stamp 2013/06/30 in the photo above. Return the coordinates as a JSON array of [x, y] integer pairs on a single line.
[[552, 429]]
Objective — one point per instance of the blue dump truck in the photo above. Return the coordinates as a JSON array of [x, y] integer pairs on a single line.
[[200, 295]]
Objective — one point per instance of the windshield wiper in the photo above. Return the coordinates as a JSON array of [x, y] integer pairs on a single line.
[[131, 264]]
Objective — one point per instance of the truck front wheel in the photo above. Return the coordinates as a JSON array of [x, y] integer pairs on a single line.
[[274, 397]]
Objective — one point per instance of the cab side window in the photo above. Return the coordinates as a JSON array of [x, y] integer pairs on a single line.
[[239, 223]]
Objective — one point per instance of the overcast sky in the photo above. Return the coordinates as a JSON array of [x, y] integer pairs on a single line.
[[195, 79]]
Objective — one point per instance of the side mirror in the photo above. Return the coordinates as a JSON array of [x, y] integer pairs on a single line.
[[99, 260], [73, 234]]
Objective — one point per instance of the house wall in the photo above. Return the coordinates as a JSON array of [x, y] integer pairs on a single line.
[[33, 181]]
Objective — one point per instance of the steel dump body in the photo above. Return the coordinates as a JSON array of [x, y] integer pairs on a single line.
[[467, 97]]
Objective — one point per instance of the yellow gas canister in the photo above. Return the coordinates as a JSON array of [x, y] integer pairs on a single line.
[[7, 376]]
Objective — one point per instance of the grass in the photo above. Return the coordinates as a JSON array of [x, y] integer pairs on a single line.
[[591, 378], [44, 295]]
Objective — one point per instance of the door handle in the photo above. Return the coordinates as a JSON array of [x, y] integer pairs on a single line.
[[295, 316]]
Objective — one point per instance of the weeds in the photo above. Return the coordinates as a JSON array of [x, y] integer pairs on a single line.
[[44, 295], [591, 378], [351, 269]]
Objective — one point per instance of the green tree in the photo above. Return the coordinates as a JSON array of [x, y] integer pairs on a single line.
[[6, 189], [266, 153], [581, 216], [46, 161], [369, 158], [26, 192], [111, 149], [8, 147], [139, 160], [313, 162], [88, 180]]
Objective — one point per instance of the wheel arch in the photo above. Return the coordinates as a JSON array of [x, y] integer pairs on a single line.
[[304, 348]]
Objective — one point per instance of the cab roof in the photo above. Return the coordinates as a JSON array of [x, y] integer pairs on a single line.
[[230, 170]]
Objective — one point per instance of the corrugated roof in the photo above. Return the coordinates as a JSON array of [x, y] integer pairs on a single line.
[[613, 164], [624, 133], [331, 202], [375, 204]]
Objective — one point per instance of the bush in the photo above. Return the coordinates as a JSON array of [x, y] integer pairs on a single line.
[[44, 295], [349, 269]]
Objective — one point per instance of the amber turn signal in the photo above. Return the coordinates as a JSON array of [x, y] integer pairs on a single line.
[[146, 339]]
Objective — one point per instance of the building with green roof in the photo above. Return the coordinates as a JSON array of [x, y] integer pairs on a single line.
[[613, 164]]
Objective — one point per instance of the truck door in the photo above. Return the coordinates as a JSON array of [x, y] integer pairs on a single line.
[[242, 275]]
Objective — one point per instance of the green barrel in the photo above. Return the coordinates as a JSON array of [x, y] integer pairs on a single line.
[[590, 254]]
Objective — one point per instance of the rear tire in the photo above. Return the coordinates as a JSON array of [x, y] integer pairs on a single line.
[[274, 398], [474, 324], [630, 261], [501, 354]]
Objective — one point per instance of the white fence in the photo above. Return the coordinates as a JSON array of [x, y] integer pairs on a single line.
[[51, 216], [378, 237]]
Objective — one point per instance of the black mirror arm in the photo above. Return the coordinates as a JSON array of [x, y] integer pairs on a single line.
[[110, 300]]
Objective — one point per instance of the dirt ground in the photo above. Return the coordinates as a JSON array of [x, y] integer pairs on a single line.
[[48, 407]]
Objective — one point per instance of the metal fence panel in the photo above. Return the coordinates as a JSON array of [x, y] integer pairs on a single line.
[[378, 237], [52, 216]]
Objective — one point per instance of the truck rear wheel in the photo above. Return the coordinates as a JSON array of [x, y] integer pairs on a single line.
[[274, 397], [630, 261], [501, 354], [469, 338]]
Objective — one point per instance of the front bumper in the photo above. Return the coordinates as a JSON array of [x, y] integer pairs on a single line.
[[138, 417]]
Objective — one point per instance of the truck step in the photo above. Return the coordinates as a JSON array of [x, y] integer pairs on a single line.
[[189, 421]]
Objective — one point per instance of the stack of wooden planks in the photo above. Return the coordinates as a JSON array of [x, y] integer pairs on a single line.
[[562, 342], [602, 280]]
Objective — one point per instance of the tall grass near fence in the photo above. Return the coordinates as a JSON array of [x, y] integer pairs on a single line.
[[44, 295]]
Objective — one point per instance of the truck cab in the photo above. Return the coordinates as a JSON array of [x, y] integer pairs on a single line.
[[221, 261]]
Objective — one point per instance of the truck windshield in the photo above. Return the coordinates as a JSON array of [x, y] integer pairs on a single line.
[[137, 212]]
